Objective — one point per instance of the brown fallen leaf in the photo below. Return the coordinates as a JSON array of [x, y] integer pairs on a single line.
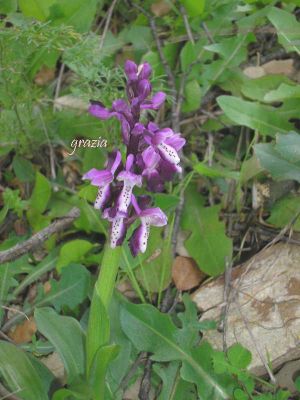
[[285, 67], [56, 366], [254, 72], [160, 8], [23, 332], [47, 287], [20, 227], [186, 274], [44, 76]]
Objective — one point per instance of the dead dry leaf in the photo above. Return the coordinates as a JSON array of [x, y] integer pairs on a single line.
[[56, 366], [44, 76], [285, 67], [186, 274], [23, 333], [160, 8], [71, 102]]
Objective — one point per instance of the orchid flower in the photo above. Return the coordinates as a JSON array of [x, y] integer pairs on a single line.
[[149, 216], [152, 157], [102, 179]]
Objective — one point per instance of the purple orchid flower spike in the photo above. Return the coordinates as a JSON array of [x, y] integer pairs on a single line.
[[102, 179], [130, 180], [151, 157], [149, 216]]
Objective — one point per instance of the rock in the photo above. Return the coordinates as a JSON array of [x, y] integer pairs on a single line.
[[254, 72], [285, 67], [186, 274], [263, 308], [288, 374], [56, 366]]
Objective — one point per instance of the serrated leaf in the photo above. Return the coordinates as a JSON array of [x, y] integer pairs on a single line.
[[71, 289], [207, 243], [154, 332], [254, 115], [288, 29], [66, 335]]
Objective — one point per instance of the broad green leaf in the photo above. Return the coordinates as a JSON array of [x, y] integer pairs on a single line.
[[20, 373], [23, 169], [189, 54], [165, 201], [154, 332], [256, 116], [41, 194], [192, 96], [289, 146], [71, 290], [36, 9], [194, 8], [5, 284], [207, 242], [283, 212], [256, 89], [238, 356], [66, 335], [102, 359], [8, 6], [273, 162], [283, 92], [288, 29], [73, 251], [216, 172]]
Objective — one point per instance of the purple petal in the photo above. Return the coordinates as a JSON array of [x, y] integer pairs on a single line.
[[154, 216], [130, 178], [138, 129], [120, 106], [176, 141], [116, 162], [99, 111], [144, 89], [131, 70], [161, 135], [125, 130], [168, 170], [103, 197], [152, 127], [129, 162], [155, 103], [145, 71], [99, 177], [150, 157], [168, 153], [139, 239]]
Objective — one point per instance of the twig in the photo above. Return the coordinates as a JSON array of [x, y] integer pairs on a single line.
[[58, 83], [106, 26], [224, 312], [187, 25], [141, 357], [40, 237], [146, 381]]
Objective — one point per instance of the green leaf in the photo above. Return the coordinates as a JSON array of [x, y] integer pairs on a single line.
[[283, 212], [5, 285], [207, 243], [102, 359], [215, 171], [41, 194], [66, 335], [283, 92], [256, 89], [23, 169], [192, 96], [288, 29], [8, 6], [265, 119], [154, 332], [35, 8], [72, 288], [46, 265], [289, 146], [73, 251], [238, 356], [21, 375], [297, 383], [273, 162], [194, 8]]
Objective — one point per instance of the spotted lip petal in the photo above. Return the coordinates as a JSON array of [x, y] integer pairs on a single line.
[[118, 226], [168, 153], [139, 239], [103, 197], [99, 177]]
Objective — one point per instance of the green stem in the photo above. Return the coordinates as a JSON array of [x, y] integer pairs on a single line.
[[98, 332], [109, 268]]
